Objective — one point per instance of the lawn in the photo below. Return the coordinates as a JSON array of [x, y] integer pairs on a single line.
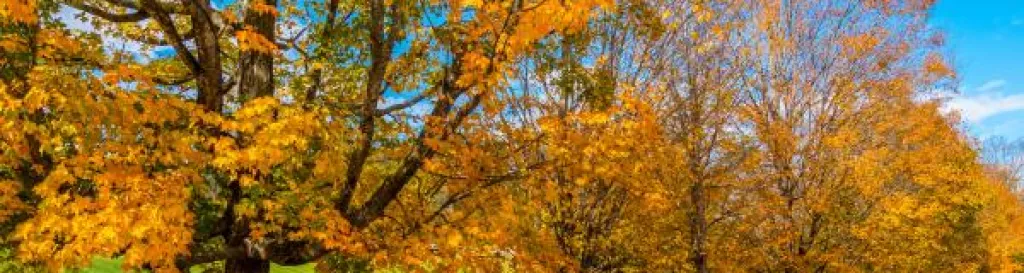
[[101, 265]]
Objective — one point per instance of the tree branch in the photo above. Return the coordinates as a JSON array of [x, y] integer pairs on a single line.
[[380, 54], [167, 25], [163, 42], [173, 81], [139, 15], [332, 14], [402, 105]]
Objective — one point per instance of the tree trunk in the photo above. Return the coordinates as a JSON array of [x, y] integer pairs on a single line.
[[255, 79], [256, 69], [246, 265], [209, 80], [698, 228]]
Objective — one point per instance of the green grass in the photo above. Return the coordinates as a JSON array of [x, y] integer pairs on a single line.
[[102, 265], [306, 268]]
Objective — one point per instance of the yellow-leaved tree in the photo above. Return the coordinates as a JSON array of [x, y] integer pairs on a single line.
[[484, 136], [272, 131]]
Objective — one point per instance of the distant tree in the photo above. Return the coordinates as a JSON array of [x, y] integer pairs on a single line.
[[1006, 158]]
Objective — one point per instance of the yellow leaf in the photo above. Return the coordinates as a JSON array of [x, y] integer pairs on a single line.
[[454, 239]]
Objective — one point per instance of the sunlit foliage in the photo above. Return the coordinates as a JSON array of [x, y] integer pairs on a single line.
[[491, 136]]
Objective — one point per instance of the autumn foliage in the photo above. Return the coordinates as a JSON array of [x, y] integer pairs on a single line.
[[515, 136]]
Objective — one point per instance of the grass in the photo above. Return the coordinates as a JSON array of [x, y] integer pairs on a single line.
[[102, 265]]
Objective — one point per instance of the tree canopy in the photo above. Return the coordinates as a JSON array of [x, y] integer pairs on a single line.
[[505, 135]]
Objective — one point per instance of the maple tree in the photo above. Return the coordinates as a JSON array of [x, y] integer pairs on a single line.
[[223, 152], [522, 135]]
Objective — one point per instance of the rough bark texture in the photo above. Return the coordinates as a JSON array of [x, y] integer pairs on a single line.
[[209, 79], [256, 69], [255, 79]]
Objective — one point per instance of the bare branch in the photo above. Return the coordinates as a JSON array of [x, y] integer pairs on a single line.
[[189, 35], [139, 15], [179, 81], [402, 105]]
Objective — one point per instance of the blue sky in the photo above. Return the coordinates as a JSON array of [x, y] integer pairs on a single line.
[[986, 40]]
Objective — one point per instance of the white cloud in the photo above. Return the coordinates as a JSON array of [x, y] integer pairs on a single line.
[[1017, 22], [978, 108], [985, 103], [991, 85]]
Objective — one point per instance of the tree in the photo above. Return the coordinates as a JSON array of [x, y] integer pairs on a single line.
[[263, 137], [591, 204], [845, 144], [1006, 158], [525, 135], [701, 117]]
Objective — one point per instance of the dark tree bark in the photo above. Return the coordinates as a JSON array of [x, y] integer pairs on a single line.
[[380, 53], [700, 149], [246, 265], [698, 228], [209, 78]]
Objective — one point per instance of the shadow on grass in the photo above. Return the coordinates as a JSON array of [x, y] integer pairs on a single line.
[[104, 265]]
